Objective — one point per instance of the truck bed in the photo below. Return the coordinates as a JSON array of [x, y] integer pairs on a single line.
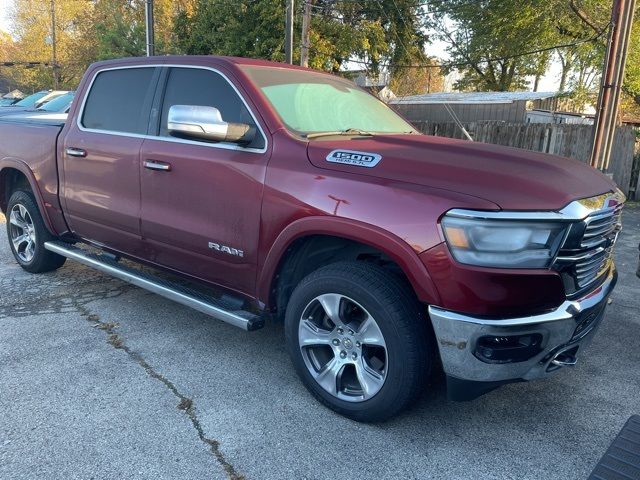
[[30, 146], [34, 118]]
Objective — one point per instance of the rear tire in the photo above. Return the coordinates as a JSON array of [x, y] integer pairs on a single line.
[[358, 340], [27, 235]]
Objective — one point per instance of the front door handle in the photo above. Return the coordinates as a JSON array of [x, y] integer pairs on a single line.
[[156, 165], [75, 152]]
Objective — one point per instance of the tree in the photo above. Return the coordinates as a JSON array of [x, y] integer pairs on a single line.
[[368, 33], [8, 52], [33, 32], [412, 81], [486, 40], [594, 16], [632, 74], [251, 28]]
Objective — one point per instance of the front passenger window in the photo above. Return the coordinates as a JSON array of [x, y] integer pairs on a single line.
[[199, 87]]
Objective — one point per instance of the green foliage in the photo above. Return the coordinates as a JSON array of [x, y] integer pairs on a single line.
[[632, 73], [486, 38], [119, 28], [248, 28]]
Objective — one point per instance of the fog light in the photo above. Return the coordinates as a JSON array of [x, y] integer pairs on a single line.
[[508, 348]]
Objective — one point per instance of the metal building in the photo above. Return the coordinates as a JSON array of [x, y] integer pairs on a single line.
[[510, 107]]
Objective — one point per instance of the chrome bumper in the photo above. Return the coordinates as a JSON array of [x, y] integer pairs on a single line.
[[458, 334]]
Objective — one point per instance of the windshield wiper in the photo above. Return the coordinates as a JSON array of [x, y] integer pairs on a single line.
[[348, 131]]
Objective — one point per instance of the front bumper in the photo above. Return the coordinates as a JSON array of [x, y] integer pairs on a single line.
[[563, 333]]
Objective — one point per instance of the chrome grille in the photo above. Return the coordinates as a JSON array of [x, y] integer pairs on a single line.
[[587, 253], [600, 226], [590, 269]]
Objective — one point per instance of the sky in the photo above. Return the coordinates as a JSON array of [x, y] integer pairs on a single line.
[[547, 84], [5, 5]]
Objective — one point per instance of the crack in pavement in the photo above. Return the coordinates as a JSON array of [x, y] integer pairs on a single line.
[[81, 286], [185, 403]]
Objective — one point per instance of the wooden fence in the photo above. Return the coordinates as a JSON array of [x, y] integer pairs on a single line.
[[572, 141], [634, 188]]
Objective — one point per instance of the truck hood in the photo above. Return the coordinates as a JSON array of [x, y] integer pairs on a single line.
[[512, 178]]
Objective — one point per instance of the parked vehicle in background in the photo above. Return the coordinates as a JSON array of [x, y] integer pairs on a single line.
[[306, 200], [33, 101], [60, 104], [4, 102], [10, 98]]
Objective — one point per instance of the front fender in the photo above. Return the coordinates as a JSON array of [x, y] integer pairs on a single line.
[[390, 244]]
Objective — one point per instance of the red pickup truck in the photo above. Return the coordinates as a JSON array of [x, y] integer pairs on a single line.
[[296, 196]]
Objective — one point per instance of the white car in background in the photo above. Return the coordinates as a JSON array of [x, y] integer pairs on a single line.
[[31, 102], [58, 108]]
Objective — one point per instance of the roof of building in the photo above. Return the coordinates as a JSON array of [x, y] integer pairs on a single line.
[[474, 97], [14, 94]]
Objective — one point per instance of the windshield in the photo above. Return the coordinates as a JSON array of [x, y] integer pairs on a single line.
[[31, 100], [310, 103], [58, 104]]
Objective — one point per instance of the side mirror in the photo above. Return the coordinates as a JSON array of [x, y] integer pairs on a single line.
[[206, 123]]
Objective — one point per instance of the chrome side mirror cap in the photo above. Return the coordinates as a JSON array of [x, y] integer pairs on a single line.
[[206, 123]]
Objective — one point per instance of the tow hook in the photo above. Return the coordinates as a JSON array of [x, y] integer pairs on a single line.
[[566, 358]]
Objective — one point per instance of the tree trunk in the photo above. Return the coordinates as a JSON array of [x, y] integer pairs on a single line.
[[566, 68]]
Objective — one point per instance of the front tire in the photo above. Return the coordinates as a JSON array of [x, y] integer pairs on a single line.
[[358, 340], [27, 234]]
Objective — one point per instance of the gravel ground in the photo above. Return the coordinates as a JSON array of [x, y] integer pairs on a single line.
[[99, 379]]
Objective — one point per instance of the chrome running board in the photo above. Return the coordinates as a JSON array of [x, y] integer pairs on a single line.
[[221, 309]]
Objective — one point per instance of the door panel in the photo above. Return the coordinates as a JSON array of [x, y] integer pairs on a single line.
[[100, 185], [102, 189], [201, 201], [209, 195]]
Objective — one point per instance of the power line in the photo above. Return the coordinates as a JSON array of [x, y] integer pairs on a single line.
[[395, 30], [10, 63], [492, 59]]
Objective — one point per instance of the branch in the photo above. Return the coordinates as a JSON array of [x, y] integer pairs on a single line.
[[584, 17], [633, 94]]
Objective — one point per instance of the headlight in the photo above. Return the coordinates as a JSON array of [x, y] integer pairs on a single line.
[[503, 243]]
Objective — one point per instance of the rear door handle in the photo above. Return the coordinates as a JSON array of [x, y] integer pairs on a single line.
[[156, 165], [75, 152]]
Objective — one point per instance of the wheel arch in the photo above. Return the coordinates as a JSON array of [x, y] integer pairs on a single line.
[[14, 174], [349, 240]]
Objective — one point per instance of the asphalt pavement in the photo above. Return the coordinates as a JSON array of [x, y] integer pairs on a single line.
[[99, 379]]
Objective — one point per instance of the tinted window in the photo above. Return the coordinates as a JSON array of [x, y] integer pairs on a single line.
[[119, 101], [193, 86]]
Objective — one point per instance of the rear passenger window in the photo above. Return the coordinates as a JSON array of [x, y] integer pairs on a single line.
[[195, 86], [119, 101]]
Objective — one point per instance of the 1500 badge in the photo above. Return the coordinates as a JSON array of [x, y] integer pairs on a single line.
[[351, 157]]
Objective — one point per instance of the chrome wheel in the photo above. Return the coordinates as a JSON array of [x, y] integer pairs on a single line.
[[22, 233], [343, 347]]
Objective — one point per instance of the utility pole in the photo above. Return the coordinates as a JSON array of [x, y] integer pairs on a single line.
[[288, 33], [54, 53], [148, 13], [304, 41], [612, 78]]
